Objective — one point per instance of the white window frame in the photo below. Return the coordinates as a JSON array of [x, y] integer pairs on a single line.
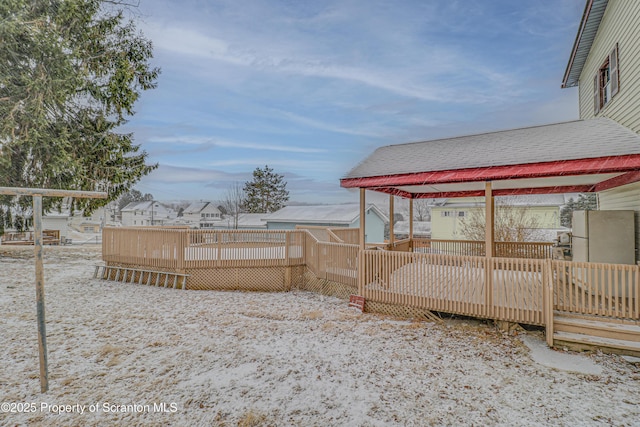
[[606, 82]]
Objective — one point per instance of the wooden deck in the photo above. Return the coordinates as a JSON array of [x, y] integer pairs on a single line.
[[537, 291]]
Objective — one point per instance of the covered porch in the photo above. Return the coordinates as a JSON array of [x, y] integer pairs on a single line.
[[585, 156]]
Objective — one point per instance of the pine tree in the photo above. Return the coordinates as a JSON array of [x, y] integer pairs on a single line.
[[585, 202], [70, 74], [266, 193]]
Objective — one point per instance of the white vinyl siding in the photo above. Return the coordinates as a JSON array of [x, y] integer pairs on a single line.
[[626, 197], [620, 25]]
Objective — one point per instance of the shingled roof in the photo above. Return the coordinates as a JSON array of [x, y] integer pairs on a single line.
[[578, 154], [593, 12]]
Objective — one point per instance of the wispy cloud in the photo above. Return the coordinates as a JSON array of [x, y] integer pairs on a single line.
[[296, 164], [214, 142], [420, 78], [317, 124], [310, 88]]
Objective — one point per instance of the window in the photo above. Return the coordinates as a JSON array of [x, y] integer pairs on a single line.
[[606, 82], [452, 213]]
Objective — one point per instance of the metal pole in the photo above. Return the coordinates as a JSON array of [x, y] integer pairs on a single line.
[[42, 332], [37, 194]]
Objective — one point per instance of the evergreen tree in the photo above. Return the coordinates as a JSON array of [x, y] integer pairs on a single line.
[[266, 193], [585, 202], [70, 74], [566, 212]]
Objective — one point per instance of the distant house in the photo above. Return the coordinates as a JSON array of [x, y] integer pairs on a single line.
[[345, 215], [202, 215], [56, 221], [146, 213], [447, 219], [101, 217]]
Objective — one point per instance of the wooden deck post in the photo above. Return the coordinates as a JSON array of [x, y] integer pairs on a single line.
[[489, 220], [362, 218], [547, 297], [37, 194], [489, 246], [411, 223], [392, 237]]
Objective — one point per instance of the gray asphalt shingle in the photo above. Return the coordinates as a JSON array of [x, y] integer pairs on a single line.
[[580, 139]]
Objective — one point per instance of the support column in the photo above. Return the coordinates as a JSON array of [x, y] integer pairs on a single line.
[[392, 237], [489, 219], [362, 218], [489, 237], [411, 225]]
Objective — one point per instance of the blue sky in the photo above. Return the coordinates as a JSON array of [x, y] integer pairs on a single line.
[[312, 87]]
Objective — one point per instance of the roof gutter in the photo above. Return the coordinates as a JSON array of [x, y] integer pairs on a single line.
[[576, 43]]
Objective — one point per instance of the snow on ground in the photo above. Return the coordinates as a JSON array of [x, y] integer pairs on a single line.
[[280, 359]]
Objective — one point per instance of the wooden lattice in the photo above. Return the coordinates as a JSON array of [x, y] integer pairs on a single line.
[[326, 287], [263, 279], [398, 310]]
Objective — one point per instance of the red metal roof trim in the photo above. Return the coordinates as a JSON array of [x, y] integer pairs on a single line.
[[627, 178], [480, 193], [612, 164]]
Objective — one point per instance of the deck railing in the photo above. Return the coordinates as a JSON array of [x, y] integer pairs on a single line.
[[503, 289], [347, 235], [154, 247], [180, 248], [530, 250], [332, 261], [611, 290], [449, 247], [511, 289]]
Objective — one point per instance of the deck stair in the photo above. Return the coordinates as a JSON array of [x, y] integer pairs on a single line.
[[582, 332], [141, 276]]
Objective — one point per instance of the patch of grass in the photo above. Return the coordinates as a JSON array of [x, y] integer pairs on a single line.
[[109, 349], [312, 315], [253, 419], [115, 360]]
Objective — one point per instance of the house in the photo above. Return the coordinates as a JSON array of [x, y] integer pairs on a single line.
[[146, 213], [56, 221], [345, 215], [539, 213], [202, 215], [103, 216], [604, 64]]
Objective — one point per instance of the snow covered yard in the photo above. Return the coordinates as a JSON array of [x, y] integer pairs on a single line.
[[140, 355]]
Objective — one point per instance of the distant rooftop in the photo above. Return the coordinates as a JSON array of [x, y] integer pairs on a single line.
[[337, 214]]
